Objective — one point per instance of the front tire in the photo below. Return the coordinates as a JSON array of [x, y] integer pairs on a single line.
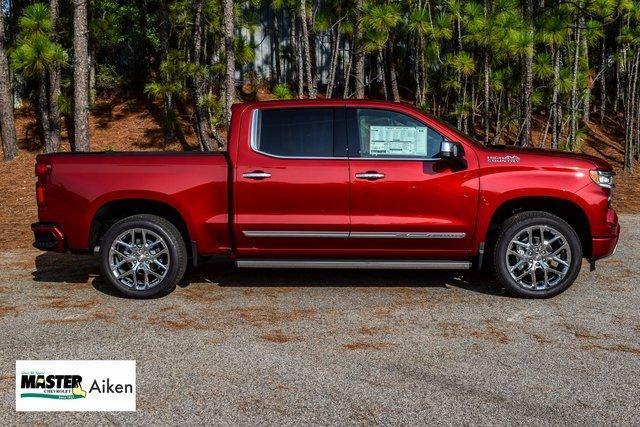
[[143, 256], [537, 255]]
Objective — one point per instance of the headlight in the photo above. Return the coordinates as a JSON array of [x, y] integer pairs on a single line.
[[602, 178]]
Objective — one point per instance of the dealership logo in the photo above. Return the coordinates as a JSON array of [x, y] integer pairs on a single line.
[[503, 159], [52, 386], [81, 385]]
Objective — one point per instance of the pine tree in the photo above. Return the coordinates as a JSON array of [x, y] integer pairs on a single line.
[[7, 125], [81, 75]]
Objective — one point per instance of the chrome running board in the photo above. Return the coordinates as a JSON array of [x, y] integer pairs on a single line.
[[355, 264]]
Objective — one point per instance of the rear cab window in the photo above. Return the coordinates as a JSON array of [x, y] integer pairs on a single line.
[[295, 132]]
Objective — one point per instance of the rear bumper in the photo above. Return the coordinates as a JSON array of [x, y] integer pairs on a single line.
[[48, 237]]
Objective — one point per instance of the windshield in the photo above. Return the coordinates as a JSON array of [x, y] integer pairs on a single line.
[[453, 129]]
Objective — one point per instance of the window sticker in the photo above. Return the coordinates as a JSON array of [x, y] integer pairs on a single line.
[[397, 141]]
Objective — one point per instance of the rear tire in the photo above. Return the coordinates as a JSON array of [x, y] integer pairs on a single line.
[[537, 255], [143, 256]]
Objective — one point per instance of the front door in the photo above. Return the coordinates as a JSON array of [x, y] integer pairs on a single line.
[[292, 184], [405, 202]]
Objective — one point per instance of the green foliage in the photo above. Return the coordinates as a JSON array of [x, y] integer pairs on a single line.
[[108, 79], [581, 136], [35, 20], [245, 51], [543, 66], [462, 63], [35, 51], [216, 107], [441, 50], [65, 105], [537, 98], [381, 17], [282, 91], [419, 22], [555, 30]]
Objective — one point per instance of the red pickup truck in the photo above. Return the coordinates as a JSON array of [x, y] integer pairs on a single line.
[[331, 184]]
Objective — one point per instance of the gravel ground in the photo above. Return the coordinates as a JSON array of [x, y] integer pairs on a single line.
[[336, 347]]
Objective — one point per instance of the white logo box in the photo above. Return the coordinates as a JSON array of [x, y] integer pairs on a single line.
[[75, 385]]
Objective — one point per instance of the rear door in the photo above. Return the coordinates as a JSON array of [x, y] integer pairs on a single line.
[[292, 184], [405, 202]]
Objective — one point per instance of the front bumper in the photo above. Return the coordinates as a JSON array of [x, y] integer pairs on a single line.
[[604, 246], [48, 237]]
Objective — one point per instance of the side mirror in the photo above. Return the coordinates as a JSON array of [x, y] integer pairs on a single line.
[[453, 154], [451, 150]]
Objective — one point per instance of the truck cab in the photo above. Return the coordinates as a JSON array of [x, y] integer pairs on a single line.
[[356, 181]]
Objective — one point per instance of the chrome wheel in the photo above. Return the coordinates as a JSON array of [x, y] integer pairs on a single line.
[[139, 258], [538, 257]]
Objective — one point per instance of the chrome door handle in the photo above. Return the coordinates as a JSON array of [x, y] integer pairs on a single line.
[[370, 175], [258, 175]]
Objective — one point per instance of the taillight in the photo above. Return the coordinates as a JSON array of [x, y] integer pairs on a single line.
[[41, 196], [43, 169], [43, 172]]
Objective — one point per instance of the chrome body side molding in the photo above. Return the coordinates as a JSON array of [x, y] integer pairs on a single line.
[[357, 234], [409, 235], [329, 234], [355, 264]]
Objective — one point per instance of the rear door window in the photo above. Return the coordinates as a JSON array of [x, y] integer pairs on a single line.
[[298, 132]]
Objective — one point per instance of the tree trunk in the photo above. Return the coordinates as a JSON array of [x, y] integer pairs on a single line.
[[463, 119], [487, 98], [420, 71], [92, 77], [586, 96], [496, 137], [382, 74], [603, 79], [81, 75], [275, 34], [165, 34], [632, 78], [203, 125], [460, 100], [359, 54], [42, 109], [230, 78], [555, 137], [471, 119], [297, 54], [636, 109], [619, 64], [310, 18], [311, 84], [7, 124], [347, 74], [393, 77], [543, 140], [487, 88], [334, 63], [55, 78], [525, 138], [393, 73], [573, 130]]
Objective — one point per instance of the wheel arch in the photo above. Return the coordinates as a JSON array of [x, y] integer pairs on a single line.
[[115, 210], [569, 211]]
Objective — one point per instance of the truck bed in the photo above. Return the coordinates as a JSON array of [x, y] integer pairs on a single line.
[[83, 186]]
